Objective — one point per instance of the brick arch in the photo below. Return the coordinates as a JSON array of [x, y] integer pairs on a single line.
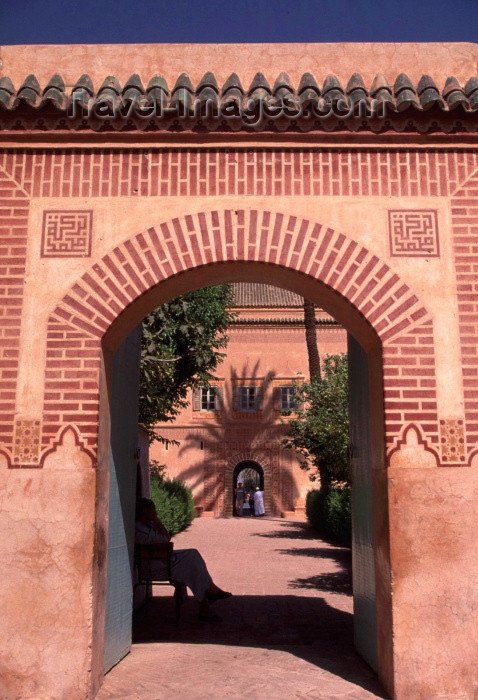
[[135, 266], [123, 281], [264, 461]]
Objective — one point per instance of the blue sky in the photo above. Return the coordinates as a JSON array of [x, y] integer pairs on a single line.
[[127, 21]]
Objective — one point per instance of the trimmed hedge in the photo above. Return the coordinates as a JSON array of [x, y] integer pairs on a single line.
[[329, 512], [174, 503]]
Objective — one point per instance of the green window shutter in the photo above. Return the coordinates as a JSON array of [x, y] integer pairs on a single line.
[[218, 398], [277, 398], [258, 399], [197, 399], [236, 398]]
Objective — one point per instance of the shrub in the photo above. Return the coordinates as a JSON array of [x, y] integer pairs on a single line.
[[174, 503], [314, 509], [339, 515], [329, 512]]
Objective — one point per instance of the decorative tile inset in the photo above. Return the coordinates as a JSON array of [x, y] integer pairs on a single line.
[[452, 440], [66, 234], [26, 443], [413, 232]]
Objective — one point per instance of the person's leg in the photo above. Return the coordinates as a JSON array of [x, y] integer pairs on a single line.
[[190, 568]]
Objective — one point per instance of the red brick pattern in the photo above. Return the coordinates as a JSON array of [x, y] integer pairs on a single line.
[[465, 240], [410, 383], [278, 172], [14, 206], [71, 382], [66, 233], [132, 268], [413, 233]]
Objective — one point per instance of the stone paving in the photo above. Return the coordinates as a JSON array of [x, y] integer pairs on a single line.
[[286, 633]]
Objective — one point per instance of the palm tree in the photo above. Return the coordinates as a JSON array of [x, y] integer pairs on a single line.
[[314, 367], [311, 339]]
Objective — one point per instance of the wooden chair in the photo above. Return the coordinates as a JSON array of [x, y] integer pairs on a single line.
[[144, 553]]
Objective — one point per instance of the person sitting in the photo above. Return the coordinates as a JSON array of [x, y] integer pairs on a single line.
[[187, 565]]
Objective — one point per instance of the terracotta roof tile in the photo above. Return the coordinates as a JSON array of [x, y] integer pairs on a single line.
[[328, 107], [256, 295]]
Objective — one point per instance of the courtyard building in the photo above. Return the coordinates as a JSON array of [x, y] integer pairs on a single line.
[[233, 429]]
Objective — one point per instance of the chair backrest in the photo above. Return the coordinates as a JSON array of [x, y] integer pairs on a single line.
[[152, 552]]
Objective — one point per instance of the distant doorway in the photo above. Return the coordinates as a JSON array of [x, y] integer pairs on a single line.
[[251, 475]]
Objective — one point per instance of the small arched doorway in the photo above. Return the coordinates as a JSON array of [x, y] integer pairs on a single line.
[[251, 475]]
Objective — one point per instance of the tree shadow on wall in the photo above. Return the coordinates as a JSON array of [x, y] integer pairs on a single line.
[[229, 430]]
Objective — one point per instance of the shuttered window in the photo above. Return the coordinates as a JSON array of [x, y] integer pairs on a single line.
[[247, 398], [207, 398], [286, 399]]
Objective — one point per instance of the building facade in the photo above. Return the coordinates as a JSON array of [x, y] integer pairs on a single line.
[[241, 420]]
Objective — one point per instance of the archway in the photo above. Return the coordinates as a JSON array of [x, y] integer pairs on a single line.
[[351, 283], [251, 475], [262, 463]]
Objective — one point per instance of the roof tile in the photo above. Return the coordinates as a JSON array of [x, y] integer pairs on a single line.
[[233, 83], [332, 90], [29, 92], [405, 96], [454, 94], [471, 91], [257, 295], [110, 85], [428, 92], [7, 90], [54, 92], [259, 84]]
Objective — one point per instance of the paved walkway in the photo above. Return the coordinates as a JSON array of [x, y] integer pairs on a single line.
[[287, 632]]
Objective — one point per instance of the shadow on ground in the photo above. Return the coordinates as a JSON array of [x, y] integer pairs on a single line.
[[304, 625], [335, 582], [307, 627], [290, 531]]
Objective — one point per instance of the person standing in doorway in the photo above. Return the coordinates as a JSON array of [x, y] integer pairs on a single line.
[[259, 502], [239, 499], [251, 502]]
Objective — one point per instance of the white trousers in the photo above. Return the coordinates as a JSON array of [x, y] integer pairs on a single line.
[[187, 567]]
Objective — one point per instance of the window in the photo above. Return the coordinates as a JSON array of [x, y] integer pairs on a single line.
[[207, 398], [287, 398], [247, 398]]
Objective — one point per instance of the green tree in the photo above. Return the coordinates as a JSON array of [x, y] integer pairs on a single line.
[[182, 345], [320, 432]]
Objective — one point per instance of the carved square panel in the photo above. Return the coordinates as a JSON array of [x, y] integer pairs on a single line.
[[66, 234], [413, 233]]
